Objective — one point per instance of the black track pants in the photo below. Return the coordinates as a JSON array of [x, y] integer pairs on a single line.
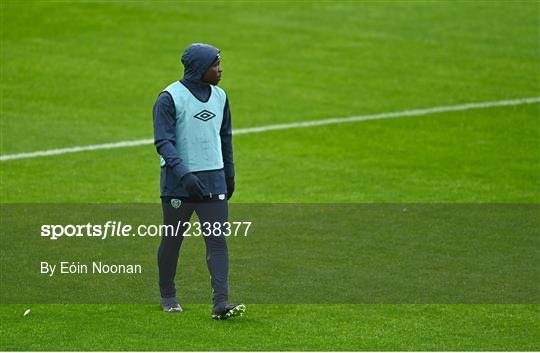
[[217, 258]]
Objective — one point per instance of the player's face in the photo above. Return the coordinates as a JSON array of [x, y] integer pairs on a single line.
[[213, 75]]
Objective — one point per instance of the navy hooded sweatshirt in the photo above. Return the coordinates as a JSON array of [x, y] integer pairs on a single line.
[[197, 59]]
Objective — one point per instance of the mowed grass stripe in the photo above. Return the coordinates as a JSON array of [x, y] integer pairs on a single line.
[[352, 119], [337, 327]]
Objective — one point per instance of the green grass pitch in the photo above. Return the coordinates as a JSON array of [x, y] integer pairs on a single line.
[[82, 73]]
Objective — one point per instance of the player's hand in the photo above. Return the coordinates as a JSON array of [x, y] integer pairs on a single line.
[[230, 186], [194, 186]]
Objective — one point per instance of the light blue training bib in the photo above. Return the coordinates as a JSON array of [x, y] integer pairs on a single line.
[[198, 124]]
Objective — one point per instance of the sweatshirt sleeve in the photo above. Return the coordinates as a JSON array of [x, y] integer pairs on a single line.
[[165, 133], [226, 141]]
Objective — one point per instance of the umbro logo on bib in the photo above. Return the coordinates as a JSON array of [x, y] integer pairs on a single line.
[[205, 115]]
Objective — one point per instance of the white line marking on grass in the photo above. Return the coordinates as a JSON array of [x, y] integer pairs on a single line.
[[352, 119], [105, 146]]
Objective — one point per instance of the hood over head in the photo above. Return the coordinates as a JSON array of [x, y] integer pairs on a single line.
[[197, 59]]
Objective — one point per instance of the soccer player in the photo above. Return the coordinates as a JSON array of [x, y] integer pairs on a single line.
[[193, 136]]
